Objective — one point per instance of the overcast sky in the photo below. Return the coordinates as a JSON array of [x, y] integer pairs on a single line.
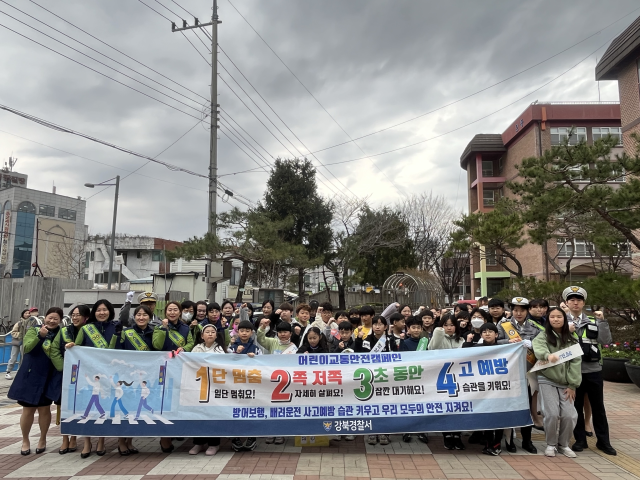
[[370, 63]]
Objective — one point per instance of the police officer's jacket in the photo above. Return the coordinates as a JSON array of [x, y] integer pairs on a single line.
[[527, 330], [591, 333]]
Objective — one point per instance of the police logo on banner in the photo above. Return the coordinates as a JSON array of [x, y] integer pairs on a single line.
[[327, 426]]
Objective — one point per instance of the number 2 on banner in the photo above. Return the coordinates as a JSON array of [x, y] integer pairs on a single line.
[[365, 377], [447, 381], [284, 380], [202, 376]]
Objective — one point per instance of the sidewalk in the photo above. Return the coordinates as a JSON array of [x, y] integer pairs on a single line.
[[341, 461]]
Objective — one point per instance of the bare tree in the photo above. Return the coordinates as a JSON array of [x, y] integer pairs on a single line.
[[66, 257], [431, 220]]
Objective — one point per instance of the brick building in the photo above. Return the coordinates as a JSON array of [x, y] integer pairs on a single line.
[[621, 62], [490, 160]]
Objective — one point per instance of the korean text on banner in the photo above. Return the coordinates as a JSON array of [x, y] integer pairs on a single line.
[[132, 394]]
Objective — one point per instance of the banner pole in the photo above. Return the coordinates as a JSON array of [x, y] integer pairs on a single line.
[[164, 385]]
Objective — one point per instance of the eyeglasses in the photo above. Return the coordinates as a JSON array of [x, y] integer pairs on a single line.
[[76, 315]]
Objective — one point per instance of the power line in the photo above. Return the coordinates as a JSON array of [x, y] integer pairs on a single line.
[[98, 72], [479, 91], [477, 120], [167, 8], [148, 6], [247, 154], [227, 115], [402, 192], [183, 8], [119, 51], [98, 61], [93, 49], [196, 49], [249, 145], [59, 128]]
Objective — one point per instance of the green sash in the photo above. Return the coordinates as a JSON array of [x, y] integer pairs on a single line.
[[176, 338], [136, 340], [95, 336], [422, 344], [66, 336]]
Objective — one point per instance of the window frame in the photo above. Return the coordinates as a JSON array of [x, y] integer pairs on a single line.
[[602, 135], [492, 169], [563, 132], [485, 199], [44, 212], [65, 214]]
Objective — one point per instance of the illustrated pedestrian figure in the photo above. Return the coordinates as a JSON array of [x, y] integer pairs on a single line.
[[118, 398], [143, 399], [95, 397]]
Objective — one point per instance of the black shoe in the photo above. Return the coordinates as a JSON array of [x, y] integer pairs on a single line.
[[85, 455], [71, 450], [457, 443], [25, 452], [511, 447], [423, 437], [250, 444], [406, 437], [237, 445], [579, 446], [167, 450], [133, 451], [448, 442], [476, 438], [40, 450], [529, 447], [124, 453], [63, 451], [608, 449], [102, 453], [589, 434]]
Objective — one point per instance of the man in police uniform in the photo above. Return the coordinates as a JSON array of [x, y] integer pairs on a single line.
[[591, 333], [146, 298]]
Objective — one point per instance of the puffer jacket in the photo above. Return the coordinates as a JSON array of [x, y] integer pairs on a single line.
[[441, 341]]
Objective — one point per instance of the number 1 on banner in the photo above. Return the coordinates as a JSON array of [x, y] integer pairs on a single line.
[[202, 376], [447, 381]]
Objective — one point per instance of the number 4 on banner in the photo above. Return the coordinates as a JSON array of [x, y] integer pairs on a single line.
[[447, 381]]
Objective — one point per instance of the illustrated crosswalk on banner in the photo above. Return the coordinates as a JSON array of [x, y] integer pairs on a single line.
[[149, 394]]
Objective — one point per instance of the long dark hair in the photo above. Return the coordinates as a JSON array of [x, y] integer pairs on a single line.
[[145, 309], [322, 344], [125, 383], [220, 336], [565, 334], [83, 310], [448, 317]]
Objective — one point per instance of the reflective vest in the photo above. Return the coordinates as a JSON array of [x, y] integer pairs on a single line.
[[591, 349], [95, 336], [136, 340]]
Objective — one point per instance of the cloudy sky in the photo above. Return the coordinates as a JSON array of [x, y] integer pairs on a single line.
[[370, 63]]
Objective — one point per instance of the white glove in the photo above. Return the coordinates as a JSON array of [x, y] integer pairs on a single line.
[[526, 343], [130, 296]]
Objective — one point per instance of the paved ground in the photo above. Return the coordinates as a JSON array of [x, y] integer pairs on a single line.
[[340, 461]]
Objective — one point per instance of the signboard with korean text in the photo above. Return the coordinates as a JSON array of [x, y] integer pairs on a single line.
[[130, 394]]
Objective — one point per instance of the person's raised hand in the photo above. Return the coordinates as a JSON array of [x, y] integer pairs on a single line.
[[130, 296], [240, 349], [470, 338], [278, 312], [165, 322], [264, 323], [43, 331]]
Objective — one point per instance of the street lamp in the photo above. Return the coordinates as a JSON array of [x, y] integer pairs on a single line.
[[115, 215]]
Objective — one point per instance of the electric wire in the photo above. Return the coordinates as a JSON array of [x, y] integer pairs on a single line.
[[240, 140], [167, 8], [248, 144], [195, 48], [99, 72], [229, 117], [97, 51], [119, 51]]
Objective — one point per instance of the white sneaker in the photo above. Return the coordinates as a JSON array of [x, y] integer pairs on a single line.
[[269, 440], [211, 451], [196, 449], [349, 438], [551, 451], [337, 438], [567, 452], [7, 375]]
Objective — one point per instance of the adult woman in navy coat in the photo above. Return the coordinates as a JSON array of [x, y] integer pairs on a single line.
[[31, 383], [100, 331]]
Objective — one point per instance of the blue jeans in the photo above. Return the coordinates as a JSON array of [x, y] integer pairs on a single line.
[[143, 403], [113, 407], [95, 400]]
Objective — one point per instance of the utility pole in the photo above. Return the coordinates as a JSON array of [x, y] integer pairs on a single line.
[[213, 132]]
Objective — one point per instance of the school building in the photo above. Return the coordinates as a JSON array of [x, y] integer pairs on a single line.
[[490, 161]]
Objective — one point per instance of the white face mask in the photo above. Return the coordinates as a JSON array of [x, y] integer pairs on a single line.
[[477, 322], [186, 316]]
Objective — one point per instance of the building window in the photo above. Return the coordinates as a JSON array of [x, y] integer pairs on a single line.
[[235, 276], [87, 259], [23, 242], [488, 198], [566, 247], [93, 256], [602, 132], [99, 278], [66, 214], [560, 134], [490, 257], [139, 254], [157, 256], [487, 168], [47, 210]]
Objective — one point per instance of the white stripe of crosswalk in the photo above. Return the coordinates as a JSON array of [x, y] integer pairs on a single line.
[[147, 420], [71, 418], [163, 420]]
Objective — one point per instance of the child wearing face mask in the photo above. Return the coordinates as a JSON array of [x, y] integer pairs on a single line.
[[447, 336], [478, 318]]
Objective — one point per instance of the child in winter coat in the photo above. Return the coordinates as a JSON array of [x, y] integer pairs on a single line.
[[345, 342]]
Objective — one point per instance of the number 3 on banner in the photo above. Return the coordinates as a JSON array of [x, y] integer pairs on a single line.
[[284, 380], [202, 376], [365, 377], [447, 381]]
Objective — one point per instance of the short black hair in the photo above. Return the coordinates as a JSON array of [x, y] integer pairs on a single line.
[[314, 304], [395, 317], [145, 309], [425, 313], [483, 312], [326, 306], [463, 314], [283, 327], [106, 303], [496, 302], [188, 304], [345, 326], [414, 321], [213, 306], [538, 302], [245, 324], [464, 307], [379, 318], [229, 302], [367, 310], [354, 312], [340, 313], [83, 310], [489, 326]]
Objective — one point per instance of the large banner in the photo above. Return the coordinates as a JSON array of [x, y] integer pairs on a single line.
[[132, 394]]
